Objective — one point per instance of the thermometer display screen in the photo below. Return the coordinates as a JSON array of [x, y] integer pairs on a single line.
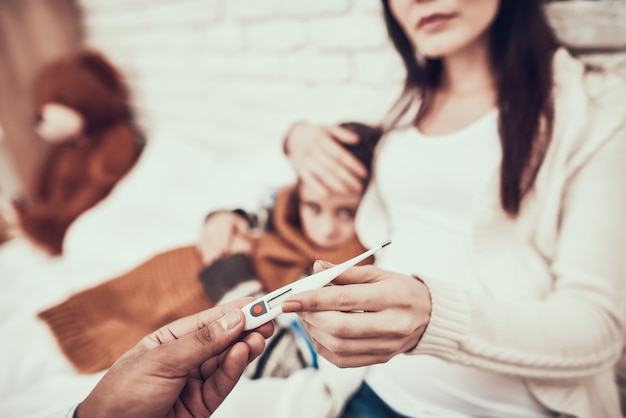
[[277, 300]]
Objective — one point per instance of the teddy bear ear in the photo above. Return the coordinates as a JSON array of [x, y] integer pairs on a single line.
[[100, 68]]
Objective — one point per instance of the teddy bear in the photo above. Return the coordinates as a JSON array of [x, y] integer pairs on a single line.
[[83, 112]]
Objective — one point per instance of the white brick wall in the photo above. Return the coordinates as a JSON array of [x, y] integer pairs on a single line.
[[234, 74], [237, 73]]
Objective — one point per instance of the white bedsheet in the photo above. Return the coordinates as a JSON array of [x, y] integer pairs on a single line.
[[158, 206]]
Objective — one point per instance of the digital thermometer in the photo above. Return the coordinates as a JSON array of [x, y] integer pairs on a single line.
[[268, 307]]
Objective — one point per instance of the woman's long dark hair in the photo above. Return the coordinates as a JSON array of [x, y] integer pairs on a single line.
[[521, 47]]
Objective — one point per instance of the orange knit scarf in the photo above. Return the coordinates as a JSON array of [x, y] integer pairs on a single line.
[[286, 255]]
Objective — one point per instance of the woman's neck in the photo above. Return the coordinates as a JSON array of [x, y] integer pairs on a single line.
[[467, 92], [468, 71]]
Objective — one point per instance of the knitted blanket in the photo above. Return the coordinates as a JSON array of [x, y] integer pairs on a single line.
[[95, 326]]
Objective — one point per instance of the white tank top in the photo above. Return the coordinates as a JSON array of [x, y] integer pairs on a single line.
[[428, 185]]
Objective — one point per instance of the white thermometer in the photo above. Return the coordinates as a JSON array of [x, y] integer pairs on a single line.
[[268, 307]]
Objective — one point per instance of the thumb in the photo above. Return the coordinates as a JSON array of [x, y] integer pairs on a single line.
[[192, 350], [321, 265]]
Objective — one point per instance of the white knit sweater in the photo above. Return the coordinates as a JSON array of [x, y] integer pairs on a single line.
[[554, 315], [556, 312]]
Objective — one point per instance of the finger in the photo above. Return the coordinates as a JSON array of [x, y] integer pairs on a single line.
[[242, 227], [351, 353], [208, 255], [354, 352], [342, 298], [360, 274], [192, 323], [190, 402], [266, 330], [355, 360], [342, 162], [354, 275], [191, 350], [330, 184], [366, 297], [210, 250], [255, 341], [344, 135], [341, 181], [219, 252], [323, 162], [221, 383], [256, 344], [321, 265], [334, 164], [386, 324], [319, 185]]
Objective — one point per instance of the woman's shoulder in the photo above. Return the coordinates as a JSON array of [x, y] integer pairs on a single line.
[[601, 86]]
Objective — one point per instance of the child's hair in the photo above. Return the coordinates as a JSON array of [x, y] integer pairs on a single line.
[[364, 149]]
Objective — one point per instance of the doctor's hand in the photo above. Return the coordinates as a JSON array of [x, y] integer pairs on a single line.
[[368, 317], [184, 369], [321, 161]]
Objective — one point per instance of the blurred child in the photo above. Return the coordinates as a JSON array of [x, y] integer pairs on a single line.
[[238, 254], [250, 254]]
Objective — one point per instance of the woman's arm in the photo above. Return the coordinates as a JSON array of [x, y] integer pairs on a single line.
[[576, 329], [573, 332]]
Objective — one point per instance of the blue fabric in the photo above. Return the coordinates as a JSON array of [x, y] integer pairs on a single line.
[[366, 404], [303, 338]]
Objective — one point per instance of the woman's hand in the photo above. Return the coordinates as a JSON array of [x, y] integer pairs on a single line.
[[184, 369], [368, 317], [321, 162], [223, 233]]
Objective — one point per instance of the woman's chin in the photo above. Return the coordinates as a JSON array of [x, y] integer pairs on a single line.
[[326, 247]]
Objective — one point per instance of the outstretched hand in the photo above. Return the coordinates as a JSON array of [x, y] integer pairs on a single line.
[[184, 369], [223, 233], [367, 317], [320, 160]]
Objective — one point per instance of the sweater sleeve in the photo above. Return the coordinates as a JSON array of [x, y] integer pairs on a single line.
[[575, 330]]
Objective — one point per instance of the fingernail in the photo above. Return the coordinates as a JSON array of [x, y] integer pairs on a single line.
[[322, 264], [229, 320], [291, 306]]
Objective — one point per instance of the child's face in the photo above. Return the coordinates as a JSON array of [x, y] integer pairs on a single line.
[[327, 221]]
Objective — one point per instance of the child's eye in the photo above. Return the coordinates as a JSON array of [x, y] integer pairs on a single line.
[[346, 214], [312, 207]]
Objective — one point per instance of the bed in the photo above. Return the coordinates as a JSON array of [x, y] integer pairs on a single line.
[[157, 206]]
